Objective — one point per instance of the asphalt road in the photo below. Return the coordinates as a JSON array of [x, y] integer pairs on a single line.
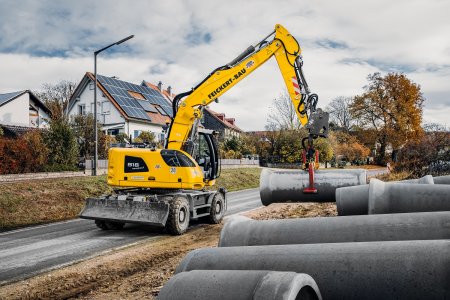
[[33, 250]]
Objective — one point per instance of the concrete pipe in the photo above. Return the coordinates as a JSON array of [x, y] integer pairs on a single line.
[[282, 185], [442, 179], [368, 270], [388, 198], [235, 285], [354, 200], [243, 231]]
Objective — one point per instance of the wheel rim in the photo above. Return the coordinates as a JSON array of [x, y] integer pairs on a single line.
[[182, 215], [218, 207]]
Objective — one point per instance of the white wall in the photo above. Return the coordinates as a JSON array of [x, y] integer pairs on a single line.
[[87, 99], [114, 116], [16, 112], [130, 127]]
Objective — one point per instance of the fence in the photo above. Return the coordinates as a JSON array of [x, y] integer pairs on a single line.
[[102, 164], [43, 175]]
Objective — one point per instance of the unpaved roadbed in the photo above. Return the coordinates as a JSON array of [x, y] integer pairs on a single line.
[[140, 271]]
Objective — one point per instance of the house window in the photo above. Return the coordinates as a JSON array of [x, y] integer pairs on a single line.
[[161, 137], [136, 133], [106, 108], [82, 109], [91, 86]]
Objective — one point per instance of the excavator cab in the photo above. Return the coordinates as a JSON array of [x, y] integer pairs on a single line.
[[207, 154]]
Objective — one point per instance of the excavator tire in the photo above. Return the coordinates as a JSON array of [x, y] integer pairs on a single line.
[[217, 209], [109, 225], [178, 220]]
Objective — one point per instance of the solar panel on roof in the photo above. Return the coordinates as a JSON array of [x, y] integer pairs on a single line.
[[147, 106]]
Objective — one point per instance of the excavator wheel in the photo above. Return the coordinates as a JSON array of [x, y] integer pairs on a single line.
[[178, 220], [109, 225], [217, 209]]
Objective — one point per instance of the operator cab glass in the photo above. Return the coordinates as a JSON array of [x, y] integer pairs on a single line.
[[207, 156]]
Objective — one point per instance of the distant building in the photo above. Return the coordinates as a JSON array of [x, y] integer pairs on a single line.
[[218, 122], [123, 107], [23, 110]]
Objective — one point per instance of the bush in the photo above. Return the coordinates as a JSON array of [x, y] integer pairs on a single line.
[[25, 154]]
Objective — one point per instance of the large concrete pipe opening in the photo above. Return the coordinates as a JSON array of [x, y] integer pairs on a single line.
[[240, 285], [242, 231], [282, 185], [387, 198], [354, 200], [367, 270]]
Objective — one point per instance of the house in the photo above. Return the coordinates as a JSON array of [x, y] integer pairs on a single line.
[[23, 109], [218, 122], [210, 120], [123, 107]]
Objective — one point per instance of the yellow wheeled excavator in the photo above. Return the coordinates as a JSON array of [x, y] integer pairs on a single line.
[[167, 187]]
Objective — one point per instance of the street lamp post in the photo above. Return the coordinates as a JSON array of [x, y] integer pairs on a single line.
[[94, 170]]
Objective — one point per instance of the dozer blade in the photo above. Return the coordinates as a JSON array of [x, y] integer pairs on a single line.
[[149, 213]]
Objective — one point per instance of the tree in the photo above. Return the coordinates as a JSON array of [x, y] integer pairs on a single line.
[[145, 137], [83, 129], [56, 96], [429, 155], [347, 146], [339, 109], [62, 146], [282, 115], [392, 107]]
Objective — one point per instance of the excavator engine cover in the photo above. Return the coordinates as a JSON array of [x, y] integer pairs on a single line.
[[126, 211]]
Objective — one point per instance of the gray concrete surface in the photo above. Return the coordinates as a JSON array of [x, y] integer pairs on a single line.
[[283, 185], [29, 251], [442, 179], [387, 198], [368, 270], [243, 231], [239, 285]]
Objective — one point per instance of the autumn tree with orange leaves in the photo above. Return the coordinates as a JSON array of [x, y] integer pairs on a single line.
[[391, 106]]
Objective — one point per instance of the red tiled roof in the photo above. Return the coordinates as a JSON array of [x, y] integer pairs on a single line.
[[224, 120]]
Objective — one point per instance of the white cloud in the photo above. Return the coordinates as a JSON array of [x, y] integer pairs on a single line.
[[46, 41]]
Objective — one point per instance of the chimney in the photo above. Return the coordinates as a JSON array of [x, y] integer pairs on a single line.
[[221, 116], [160, 86], [169, 90]]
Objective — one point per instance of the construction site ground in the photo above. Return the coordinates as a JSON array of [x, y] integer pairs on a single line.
[[139, 271]]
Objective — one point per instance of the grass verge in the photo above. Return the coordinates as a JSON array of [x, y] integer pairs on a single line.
[[34, 202]]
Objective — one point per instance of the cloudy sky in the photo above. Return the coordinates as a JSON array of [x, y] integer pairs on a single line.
[[180, 42]]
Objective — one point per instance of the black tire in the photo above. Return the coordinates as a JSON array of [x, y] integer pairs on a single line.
[[109, 225], [179, 215], [217, 210]]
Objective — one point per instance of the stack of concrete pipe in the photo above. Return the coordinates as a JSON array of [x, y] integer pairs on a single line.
[[379, 197], [398, 248]]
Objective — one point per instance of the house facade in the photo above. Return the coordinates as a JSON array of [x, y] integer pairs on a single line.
[[23, 109], [219, 122], [122, 107]]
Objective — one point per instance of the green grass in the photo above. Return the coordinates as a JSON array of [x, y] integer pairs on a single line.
[[239, 179], [34, 202]]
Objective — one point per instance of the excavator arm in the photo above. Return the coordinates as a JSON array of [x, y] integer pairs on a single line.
[[187, 112]]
